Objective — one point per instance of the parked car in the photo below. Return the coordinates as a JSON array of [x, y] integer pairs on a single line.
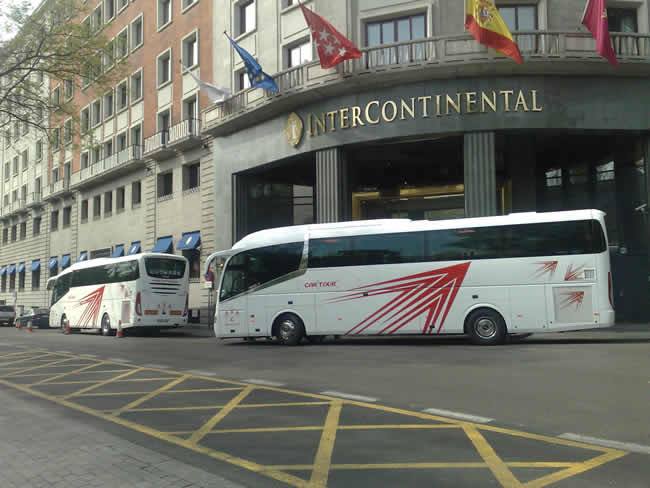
[[7, 315], [38, 317]]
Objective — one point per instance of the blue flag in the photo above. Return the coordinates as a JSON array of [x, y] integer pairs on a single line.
[[257, 77]]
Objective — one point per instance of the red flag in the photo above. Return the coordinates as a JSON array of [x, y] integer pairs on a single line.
[[333, 47], [595, 19]]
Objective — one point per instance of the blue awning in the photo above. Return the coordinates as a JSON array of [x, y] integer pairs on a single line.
[[83, 256], [164, 245], [11, 269], [36, 265], [135, 248], [189, 241], [65, 261], [54, 262], [21, 268], [118, 252], [3, 270]]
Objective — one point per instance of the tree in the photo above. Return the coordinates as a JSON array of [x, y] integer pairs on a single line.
[[56, 41]]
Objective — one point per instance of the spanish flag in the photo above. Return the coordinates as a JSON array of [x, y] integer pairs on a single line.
[[484, 22]]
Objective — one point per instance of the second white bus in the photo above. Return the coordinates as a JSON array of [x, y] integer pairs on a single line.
[[145, 291], [485, 277]]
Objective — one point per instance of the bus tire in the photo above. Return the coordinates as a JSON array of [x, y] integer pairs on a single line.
[[106, 326], [315, 339], [289, 329], [486, 327]]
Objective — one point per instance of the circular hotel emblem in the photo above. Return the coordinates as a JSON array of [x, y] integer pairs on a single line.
[[294, 129]]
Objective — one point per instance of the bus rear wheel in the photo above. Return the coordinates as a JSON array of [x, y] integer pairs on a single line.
[[289, 330], [106, 326], [486, 327]]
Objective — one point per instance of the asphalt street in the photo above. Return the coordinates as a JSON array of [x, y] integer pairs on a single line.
[[560, 410]]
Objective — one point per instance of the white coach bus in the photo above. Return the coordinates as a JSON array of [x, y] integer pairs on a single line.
[[485, 277], [144, 290]]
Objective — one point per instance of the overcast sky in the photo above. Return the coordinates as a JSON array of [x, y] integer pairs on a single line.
[[4, 4]]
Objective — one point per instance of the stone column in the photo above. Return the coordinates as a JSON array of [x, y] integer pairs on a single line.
[[331, 186], [239, 207], [480, 174]]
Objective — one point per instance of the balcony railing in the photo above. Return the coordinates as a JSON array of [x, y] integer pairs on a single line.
[[34, 198], [60, 186], [119, 159], [185, 134], [14, 206], [434, 52], [156, 146]]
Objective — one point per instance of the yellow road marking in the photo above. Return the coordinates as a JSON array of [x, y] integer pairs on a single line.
[[320, 427], [287, 404], [21, 353], [175, 409], [323, 459], [470, 465], [218, 455], [578, 468], [33, 368], [123, 370], [219, 416], [101, 383], [206, 390], [117, 393], [63, 375], [75, 382], [494, 462], [267, 429], [149, 396]]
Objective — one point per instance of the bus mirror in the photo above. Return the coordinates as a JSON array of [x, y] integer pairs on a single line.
[[50, 283]]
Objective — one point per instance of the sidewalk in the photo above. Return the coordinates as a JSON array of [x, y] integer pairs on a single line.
[[41, 447]]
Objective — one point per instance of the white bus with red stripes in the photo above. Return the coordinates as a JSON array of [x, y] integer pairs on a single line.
[[488, 278], [144, 291]]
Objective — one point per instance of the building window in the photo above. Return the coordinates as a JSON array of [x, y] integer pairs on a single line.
[[56, 139], [5, 235], [109, 9], [622, 20], [96, 112], [298, 54], [122, 96], [68, 89], [190, 111], [246, 13], [84, 210], [25, 159], [56, 97], [242, 80], [136, 194], [109, 105], [23, 231], [137, 33], [188, 3], [54, 220], [39, 150], [36, 279], [108, 58], [21, 278], [108, 203], [164, 13], [165, 184], [97, 154], [519, 17], [14, 233], [121, 142], [7, 171], [190, 50], [15, 168], [67, 216], [164, 120], [191, 176], [395, 30], [55, 175], [136, 86], [108, 149], [164, 68], [97, 206], [25, 128], [119, 199], [122, 44], [288, 3], [36, 226], [122, 4], [12, 282], [84, 160], [136, 135], [67, 132], [84, 120]]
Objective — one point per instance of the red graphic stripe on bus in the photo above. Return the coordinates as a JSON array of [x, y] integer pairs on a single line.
[[573, 274], [546, 268], [93, 303], [573, 298], [429, 294]]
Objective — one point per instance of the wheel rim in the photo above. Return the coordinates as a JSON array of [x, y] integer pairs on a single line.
[[485, 328], [287, 330]]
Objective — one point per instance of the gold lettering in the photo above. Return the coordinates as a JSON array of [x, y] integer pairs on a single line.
[[438, 98], [536, 108], [455, 104], [406, 108], [370, 120], [425, 105], [485, 100], [320, 124], [344, 117], [310, 131], [470, 102], [521, 101], [332, 118], [384, 114], [356, 116], [506, 98]]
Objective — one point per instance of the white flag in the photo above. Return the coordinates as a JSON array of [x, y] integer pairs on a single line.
[[215, 94]]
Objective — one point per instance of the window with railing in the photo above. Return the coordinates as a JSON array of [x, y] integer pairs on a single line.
[[299, 53], [390, 31], [521, 18]]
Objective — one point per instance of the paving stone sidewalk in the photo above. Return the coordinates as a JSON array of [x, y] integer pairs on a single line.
[[41, 447]]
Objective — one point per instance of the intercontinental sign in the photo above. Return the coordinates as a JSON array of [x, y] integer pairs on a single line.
[[423, 107]]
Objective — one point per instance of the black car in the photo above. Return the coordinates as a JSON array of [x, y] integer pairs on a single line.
[[38, 317]]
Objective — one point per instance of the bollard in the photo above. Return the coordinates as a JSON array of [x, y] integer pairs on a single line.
[[29, 326], [66, 327], [120, 332]]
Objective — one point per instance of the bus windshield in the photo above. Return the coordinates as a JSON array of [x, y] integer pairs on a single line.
[[164, 268]]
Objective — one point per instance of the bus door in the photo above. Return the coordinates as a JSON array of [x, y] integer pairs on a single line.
[[233, 299]]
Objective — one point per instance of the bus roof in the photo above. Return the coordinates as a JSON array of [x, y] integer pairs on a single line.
[[91, 263], [284, 235]]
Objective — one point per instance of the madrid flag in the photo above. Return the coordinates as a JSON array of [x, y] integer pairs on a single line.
[[595, 19], [333, 47], [484, 22]]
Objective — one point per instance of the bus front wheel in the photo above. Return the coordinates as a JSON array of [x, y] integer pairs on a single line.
[[106, 326], [486, 327], [289, 330]]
